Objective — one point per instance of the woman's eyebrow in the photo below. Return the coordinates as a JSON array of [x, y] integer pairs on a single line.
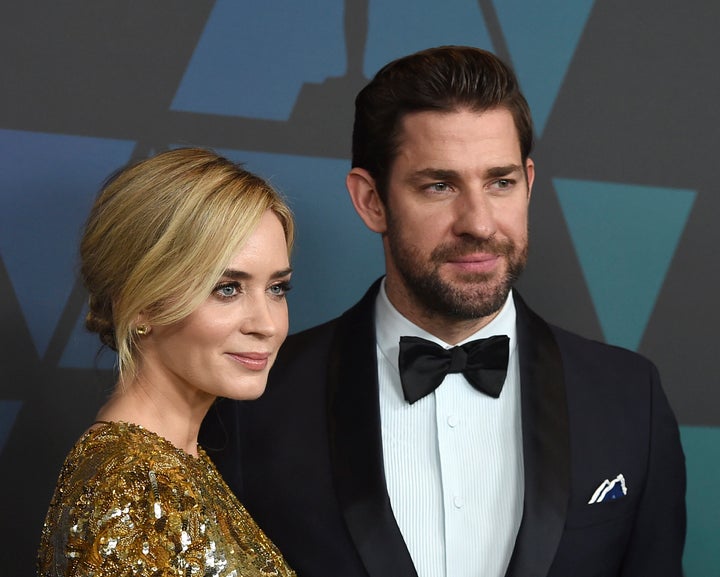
[[242, 275]]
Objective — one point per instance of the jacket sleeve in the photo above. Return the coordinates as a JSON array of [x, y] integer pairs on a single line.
[[658, 536]]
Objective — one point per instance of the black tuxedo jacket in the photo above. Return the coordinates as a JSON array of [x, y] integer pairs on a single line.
[[306, 458]]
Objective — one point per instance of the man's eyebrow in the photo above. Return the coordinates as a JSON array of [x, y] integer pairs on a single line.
[[434, 174], [242, 275], [498, 171], [443, 174]]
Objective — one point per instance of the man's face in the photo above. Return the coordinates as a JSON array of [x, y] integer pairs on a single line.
[[456, 232]]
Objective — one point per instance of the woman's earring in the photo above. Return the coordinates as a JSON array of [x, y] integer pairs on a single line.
[[143, 330]]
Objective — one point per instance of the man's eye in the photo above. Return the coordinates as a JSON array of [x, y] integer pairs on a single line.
[[439, 187]]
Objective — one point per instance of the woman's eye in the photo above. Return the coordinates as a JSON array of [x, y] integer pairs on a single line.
[[227, 290], [280, 289]]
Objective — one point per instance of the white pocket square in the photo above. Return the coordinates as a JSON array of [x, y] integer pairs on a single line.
[[609, 490]]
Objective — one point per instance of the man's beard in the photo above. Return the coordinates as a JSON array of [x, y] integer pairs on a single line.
[[471, 295]]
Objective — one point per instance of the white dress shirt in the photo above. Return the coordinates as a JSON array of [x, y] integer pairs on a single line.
[[453, 460]]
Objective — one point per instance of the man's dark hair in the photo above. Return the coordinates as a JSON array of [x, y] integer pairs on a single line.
[[446, 78]]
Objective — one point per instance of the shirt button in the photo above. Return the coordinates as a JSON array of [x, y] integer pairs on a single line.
[[458, 501], [452, 421]]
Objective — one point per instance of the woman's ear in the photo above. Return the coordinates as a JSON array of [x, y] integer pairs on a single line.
[[366, 199], [142, 324]]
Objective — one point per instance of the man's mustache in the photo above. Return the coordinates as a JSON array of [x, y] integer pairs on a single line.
[[469, 246]]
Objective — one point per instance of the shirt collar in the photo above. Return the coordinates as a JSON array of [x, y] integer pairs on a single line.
[[390, 325]]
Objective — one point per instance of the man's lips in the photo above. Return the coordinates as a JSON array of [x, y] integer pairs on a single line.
[[478, 262], [252, 361], [476, 257]]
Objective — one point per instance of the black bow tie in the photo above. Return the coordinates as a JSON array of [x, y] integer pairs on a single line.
[[424, 364]]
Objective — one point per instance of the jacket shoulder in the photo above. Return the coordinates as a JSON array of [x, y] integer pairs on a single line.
[[312, 346], [595, 355]]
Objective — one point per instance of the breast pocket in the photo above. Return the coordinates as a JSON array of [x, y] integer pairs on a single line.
[[595, 538], [584, 514]]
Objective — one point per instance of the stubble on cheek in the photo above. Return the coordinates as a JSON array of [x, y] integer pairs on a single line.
[[457, 294]]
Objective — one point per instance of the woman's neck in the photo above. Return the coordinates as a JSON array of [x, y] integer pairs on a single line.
[[160, 410]]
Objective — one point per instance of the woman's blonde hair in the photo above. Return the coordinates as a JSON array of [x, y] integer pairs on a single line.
[[159, 237]]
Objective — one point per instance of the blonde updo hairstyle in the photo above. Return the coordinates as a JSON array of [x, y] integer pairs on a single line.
[[159, 237]]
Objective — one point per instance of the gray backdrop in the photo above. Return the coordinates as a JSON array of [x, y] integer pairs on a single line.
[[624, 96]]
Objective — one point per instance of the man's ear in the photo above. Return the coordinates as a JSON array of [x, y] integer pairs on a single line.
[[366, 199], [530, 172]]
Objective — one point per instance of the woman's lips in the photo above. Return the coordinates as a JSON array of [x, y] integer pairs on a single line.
[[252, 361]]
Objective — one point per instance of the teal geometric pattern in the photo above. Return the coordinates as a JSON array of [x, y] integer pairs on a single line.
[[252, 59], [432, 23], [541, 38], [258, 73], [702, 454], [625, 237], [42, 212]]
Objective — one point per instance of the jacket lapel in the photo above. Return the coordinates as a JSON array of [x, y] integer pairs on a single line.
[[546, 446], [356, 444]]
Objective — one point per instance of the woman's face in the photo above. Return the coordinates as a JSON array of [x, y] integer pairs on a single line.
[[227, 345]]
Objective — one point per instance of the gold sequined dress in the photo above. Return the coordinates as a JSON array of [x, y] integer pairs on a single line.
[[129, 503]]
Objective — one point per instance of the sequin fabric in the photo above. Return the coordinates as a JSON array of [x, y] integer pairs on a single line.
[[129, 503]]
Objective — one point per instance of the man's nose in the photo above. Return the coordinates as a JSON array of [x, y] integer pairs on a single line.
[[474, 215]]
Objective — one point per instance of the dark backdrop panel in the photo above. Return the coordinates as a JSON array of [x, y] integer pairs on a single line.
[[622, 240]]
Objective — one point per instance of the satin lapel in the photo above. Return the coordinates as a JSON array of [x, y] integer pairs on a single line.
[[546, 446], [356, 444]]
